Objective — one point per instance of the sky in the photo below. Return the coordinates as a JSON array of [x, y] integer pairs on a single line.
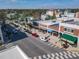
[[27, 4]]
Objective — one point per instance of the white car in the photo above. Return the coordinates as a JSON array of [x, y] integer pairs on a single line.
[[43, 38]]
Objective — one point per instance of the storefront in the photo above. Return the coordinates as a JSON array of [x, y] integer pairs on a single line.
[[69, 38], [49, 30]]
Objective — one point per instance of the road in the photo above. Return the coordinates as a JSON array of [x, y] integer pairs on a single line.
[[10, 36], [37, 49]]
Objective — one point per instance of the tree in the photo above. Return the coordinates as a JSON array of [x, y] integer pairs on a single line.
[[3, 16], [50, 17]]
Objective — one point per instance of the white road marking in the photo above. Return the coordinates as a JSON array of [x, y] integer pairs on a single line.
[[52, 58], [52, 55], [44, 56], [77, 54], [35, 58], [62, 57], [70, 56], [48, 55], [60, 53], [65, 56], [69, 52], [64, 52], [74, 55], [39, 57], [57, 54], [56, 57]]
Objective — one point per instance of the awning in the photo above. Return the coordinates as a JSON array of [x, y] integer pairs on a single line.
[[70, 38], [49, 30]]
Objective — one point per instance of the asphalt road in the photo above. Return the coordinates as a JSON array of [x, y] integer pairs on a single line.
[[33, 46], [13, 36]]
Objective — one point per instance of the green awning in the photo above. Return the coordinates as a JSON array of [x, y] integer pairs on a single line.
[[69, 38]]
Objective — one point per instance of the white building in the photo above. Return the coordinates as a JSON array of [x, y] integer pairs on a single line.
[[11, 14], [71, 15], [43, 17], [13, 53], [50, 12]]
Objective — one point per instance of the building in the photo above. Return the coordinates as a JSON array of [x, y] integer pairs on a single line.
[[63, 19], [13, 53], [77, 15], [70, 31], [43, 17], [11, 15], [50, 13], [49, 26]]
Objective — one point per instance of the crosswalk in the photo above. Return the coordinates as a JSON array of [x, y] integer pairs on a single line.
[[59, 55], [51, 45]]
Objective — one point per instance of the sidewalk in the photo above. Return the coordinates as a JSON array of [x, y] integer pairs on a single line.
[[54, 40], [73, 49]]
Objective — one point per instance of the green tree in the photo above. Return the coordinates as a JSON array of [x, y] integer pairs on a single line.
[[3, 16]]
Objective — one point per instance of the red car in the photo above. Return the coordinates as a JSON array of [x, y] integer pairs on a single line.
[[34, 34]]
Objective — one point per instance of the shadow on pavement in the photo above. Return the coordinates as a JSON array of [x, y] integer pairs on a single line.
[[9, 35]]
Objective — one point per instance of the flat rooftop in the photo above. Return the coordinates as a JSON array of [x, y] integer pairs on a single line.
[[48, 22], [73, 22], [13, 53]]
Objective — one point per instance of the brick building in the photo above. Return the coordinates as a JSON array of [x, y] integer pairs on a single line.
[[77, 15], [70, 31]]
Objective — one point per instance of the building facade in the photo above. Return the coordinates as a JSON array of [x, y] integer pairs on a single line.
[[70, 32]]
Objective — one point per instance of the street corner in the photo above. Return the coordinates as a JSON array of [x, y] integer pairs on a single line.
[[73, 49]]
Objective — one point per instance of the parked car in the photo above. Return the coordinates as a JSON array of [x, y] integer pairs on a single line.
[[35, 34], [15, 31], [28, 31], [44, 39]]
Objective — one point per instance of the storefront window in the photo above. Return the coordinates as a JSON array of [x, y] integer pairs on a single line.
[[65, 29]]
